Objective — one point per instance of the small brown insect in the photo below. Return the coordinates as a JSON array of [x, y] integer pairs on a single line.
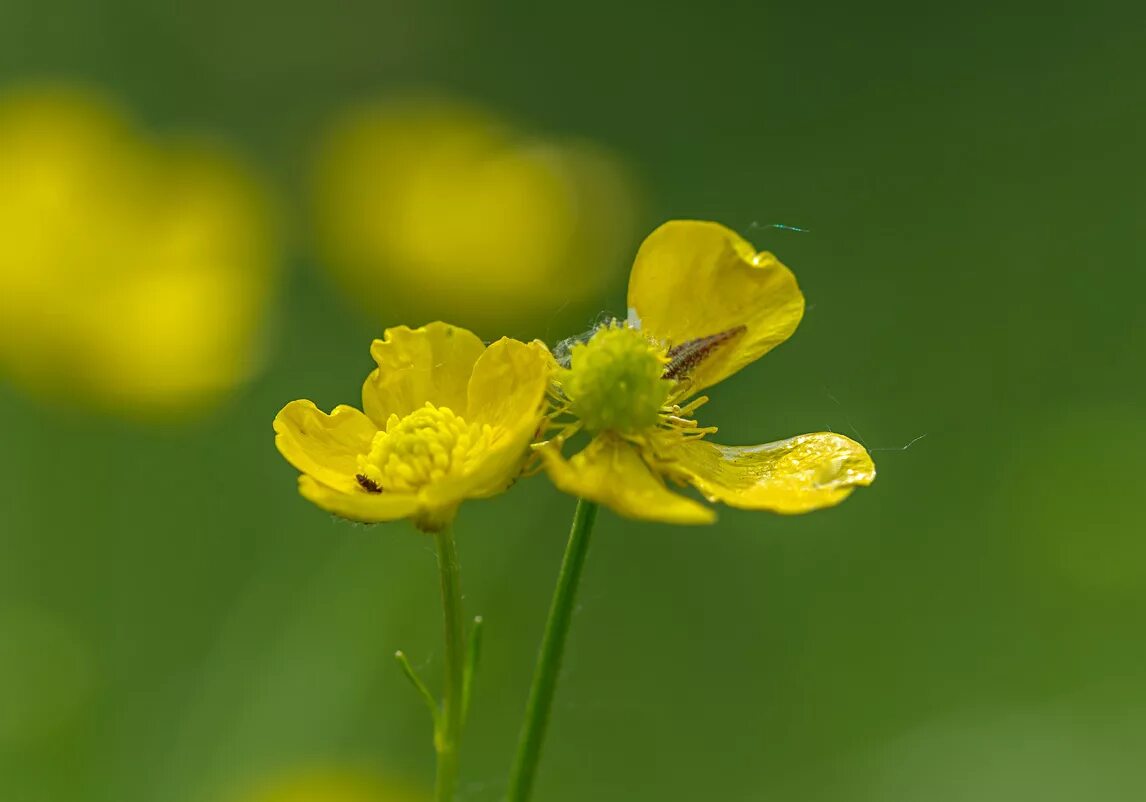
[[368, 484], [684, 358]]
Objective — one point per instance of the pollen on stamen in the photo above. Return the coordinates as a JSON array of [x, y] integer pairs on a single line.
[[423, 447]]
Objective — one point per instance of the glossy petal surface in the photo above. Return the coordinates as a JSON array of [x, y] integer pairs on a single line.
[[800, 474], [693, 280], [358, 505], [609, 471], [432, 363], [324, 446]]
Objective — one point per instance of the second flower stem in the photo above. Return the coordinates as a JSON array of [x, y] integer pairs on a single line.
[[552, 650], [449, 721]]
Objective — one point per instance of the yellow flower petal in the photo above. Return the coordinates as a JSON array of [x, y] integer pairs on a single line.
[[611, 472], [432, 363], [693, 280], [799, 474], [324, 446], [508, 385], [357, 504], [506, 392]]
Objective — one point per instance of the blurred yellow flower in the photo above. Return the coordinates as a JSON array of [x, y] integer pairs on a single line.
[[134, 274], [702, 305], [333, 785], [431, 202], [445, 419]]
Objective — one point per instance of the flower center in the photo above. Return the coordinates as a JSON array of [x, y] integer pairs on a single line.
[[426, 446], [615, 381]]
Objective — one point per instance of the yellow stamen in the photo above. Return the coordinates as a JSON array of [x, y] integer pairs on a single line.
[[427, 445]]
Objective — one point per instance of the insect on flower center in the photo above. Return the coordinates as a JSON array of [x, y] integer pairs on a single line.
[[615, 381], [429, 444]]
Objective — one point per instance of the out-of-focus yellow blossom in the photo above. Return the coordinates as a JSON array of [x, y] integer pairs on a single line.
[[333, 785], [134, 274], [702, 305], [445, 419], [425, 201]]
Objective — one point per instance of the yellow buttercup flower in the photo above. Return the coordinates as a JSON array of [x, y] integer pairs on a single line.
[[703, 303], [444, 418], [456, 212], [135, 273]]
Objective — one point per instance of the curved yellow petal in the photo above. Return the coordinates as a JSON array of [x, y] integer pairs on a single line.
[[609, 471], [506, 392], [324, 446], [694, 280], [800, 474], [508, 385], [357, 504], [432, 363]]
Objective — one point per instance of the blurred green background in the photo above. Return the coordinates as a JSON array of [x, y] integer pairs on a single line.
[[177, 624]]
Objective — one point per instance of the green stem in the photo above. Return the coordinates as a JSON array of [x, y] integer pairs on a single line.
[[552, 649], [449, 723]]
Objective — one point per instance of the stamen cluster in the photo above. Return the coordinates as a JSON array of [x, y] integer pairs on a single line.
[[427, 445], [615, 382]]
